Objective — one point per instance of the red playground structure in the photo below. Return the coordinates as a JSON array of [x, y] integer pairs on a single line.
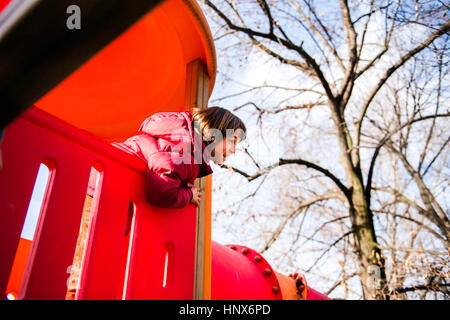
[[74, 220]]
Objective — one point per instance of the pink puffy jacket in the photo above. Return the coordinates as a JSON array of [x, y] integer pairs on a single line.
[[175, 155]]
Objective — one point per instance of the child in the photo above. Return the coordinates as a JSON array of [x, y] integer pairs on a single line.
[[177, 147]]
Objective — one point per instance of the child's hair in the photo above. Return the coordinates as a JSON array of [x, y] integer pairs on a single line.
[[219, 119]]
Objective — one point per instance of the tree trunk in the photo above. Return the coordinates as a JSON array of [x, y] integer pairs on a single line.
[[370, 260]]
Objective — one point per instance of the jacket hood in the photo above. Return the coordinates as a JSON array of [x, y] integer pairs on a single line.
[[177, 128]]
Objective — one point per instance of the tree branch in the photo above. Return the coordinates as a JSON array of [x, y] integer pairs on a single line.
[[429, 200], [436, 34], [327, 43], [349, 78], [310, 62], [328, 249], [340, 282], [420, 210], [340, 185], [264, 6], [383, 142], [308, 106], [293, 213], [266, 86], [326, 172], [428, 287], [387, 40]]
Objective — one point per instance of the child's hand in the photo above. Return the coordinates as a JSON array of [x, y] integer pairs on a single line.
[[197, 195]]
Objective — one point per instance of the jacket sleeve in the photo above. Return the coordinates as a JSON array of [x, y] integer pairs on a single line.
[[166, 182]]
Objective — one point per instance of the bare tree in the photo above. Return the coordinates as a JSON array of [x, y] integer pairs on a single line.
[[377, 70]]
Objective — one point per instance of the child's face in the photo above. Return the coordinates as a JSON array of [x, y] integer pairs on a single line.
[[224, 149]]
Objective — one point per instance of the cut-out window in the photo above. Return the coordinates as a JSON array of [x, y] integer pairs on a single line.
[[75, 270], [34, 212], [168, 257], [126, 254]]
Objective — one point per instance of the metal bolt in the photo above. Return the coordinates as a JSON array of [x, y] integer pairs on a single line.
[[232, 247], [275, 289], [244, 250], [258, 259], [268, 271]]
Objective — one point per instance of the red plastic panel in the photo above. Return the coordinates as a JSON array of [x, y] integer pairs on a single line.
[[25, 146], [18, 268], [22, 255], [237, 275], [162, 253], [39, 137], [15, 196]]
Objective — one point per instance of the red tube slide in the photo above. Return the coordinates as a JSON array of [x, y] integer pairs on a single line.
[[240, 273]]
